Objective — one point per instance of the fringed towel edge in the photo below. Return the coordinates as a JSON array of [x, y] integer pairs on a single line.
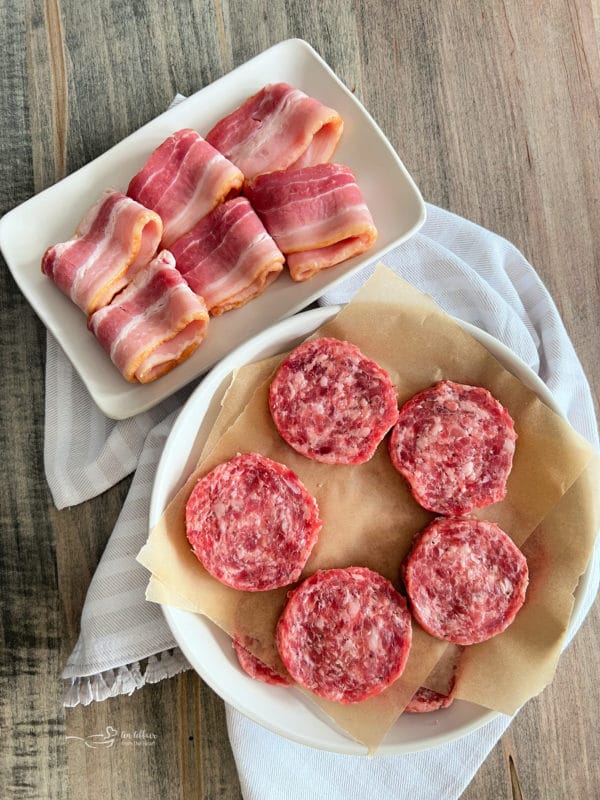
[[123, 680]]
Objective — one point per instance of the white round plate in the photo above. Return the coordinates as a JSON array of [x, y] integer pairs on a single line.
[[208, 649]]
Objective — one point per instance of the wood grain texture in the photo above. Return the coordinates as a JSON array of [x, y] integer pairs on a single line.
[[493, 107]]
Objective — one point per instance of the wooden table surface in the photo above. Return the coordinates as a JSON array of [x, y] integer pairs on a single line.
[[493, 107]]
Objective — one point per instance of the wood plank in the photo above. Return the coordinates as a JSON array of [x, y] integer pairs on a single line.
[[169, 741], [32, 622]]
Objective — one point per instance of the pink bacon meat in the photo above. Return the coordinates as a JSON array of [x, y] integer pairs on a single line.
[[183, 180], [345, 634], [228, 257], [277, 128], [115, 239], [466, 579], [153, 324], [317, 216]]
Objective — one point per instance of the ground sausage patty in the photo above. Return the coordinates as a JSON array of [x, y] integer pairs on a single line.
[[345, 634], [331, 403], [255, 668], [426, 700], [252, 523], [454, 444], [465, 579]]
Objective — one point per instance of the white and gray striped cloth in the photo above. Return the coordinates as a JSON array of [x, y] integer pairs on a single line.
[[124, 641]]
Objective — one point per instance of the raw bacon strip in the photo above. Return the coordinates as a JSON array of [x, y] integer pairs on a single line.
[[256, 668], [153, 324], [345, 634], [317, 216], [465, 579], [228, 257], [331, 403], [183, 180], [252, 523], [454, 444], [114, 240], [277, 128]]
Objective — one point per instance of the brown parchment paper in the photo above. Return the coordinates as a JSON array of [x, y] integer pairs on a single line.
[[370, 517], [557, 554]]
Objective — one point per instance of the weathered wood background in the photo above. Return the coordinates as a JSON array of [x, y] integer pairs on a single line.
[[494, 108]]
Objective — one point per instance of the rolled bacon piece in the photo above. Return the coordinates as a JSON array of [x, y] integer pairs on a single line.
[[183, 180], [317, 216], [115, 239], [228, 257], [277, 128], [153, 324]]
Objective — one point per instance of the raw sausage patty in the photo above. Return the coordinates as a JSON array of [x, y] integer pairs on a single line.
[[465, 579], [345, 634], [331, 403], [425, 700], [257, 669], [252, 523], [454, 444]]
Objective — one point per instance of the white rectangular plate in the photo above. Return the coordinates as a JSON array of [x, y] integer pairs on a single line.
[[52, 216]]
